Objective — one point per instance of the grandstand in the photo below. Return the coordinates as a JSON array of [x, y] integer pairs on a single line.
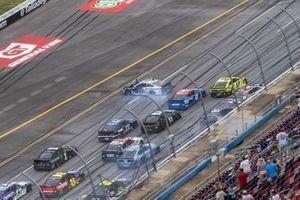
[[287, 182]]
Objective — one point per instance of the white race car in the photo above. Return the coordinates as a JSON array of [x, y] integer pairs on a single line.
[[148, 87], [14, 190]]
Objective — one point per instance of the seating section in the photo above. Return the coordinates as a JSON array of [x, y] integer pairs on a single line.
[[287, 182]]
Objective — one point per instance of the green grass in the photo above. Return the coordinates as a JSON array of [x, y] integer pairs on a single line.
[[6, 5]]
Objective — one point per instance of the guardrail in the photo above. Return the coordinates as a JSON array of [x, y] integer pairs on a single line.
[[20, 11]]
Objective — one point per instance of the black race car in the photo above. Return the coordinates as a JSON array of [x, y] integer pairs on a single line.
[[116, 128], [61, 183], [155, 122], [116, 148], [52, 158]]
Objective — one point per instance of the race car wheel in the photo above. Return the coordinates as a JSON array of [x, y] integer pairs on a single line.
[[127, 92], [28, 188]]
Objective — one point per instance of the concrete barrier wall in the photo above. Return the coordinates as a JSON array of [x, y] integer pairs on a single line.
[[166, 193], [20, 11], [239, 139], [228, 147]]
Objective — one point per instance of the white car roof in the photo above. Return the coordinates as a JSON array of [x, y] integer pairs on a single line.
[[153, 81]]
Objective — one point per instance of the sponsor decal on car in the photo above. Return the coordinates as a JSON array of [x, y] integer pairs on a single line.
[[25, 49], [113, 6]]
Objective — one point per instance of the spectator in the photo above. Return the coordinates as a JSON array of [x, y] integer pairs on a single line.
[[243, 179], [246, 196], [271, 168], [275, 196], [220, 195], [297, 94], [261, 164], [282, 137], [246, 165]]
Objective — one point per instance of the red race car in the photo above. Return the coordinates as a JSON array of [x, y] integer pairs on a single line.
[[61, 183]]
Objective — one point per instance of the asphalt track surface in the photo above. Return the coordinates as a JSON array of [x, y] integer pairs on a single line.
[[110, 42]]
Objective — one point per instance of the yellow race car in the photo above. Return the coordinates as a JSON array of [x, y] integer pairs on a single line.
[[226, 86]]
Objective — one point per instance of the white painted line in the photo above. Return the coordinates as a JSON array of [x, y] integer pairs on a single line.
[[7, 108], [175, 73], [60, 79], [292, 22], [255, 19], [22, 100], [35, 92], [48, 85]]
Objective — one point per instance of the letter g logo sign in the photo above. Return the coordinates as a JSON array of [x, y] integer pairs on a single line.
[[16, 49]]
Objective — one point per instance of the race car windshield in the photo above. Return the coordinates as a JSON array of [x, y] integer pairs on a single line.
[[52, 182], [128, 154], [152, 119], [47, 155], [114, 147], [180, 96], [220, 84], [111, 127]]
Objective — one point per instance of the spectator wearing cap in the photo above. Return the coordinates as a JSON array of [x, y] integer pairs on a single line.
[[282, 138], [243, 179], [272, 170], [220, 195], [246, 165], [261, 164]]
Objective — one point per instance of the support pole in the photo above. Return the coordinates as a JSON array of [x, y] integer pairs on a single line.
[[36, 184], [86, 167], [166, 120], [258, 59], [294, 20], [230, 76], [147, 135], [285, 39], [201, 99]]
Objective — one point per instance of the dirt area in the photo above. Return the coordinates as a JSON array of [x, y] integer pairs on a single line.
[[224, 131]]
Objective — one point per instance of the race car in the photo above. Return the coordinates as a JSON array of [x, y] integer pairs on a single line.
[[61, 183], [148, 87], [14, 191], [135, 156], [116, 128], [244, 93], [184, 99], [53, 157], [109, 189], [227, 85], [155, 122], [117, 146]]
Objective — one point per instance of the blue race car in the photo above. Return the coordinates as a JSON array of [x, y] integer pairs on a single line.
[[184, 99], [14, 190], [136, 155]]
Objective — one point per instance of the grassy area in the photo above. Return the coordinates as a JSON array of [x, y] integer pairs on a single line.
[[6, 5]]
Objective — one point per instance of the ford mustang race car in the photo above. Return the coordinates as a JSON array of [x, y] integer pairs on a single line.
[[155, 122], [53, 157], [14, 191], [184, 99], [226, 86], [116, 128], [148, 87], [136, 155], [61, 183], [117, 146]]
